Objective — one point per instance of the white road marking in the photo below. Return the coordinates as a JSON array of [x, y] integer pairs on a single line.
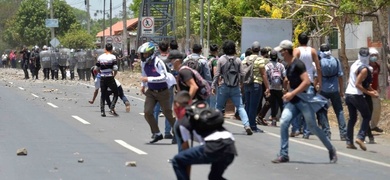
[[322, 148], [34, 95], [142, 114], [52, 105], [21, 88], [137, 98], [11, 82], [128, 146], [80, 119]]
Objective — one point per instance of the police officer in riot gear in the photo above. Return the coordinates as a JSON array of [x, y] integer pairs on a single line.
[[25, 61], [35, 63], [55, 57], [45, 61], [72, 63], [63, 61]]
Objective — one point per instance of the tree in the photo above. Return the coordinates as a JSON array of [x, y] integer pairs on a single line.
[[64, 13], [135, 7], [27, 27], [7, 11], [77, 38], [330, 13]]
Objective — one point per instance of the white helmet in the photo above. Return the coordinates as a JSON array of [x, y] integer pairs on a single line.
[[44, 47]]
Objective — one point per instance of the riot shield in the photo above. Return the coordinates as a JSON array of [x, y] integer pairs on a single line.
[[72, 61], [90, 60], [98, 52], [45, 59], [81, 59], [64, 56], [54, 58]]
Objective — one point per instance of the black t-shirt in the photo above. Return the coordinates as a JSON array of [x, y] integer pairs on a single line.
[[184, 76], [293, 73]]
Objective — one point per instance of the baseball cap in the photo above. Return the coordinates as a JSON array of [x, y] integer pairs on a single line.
[[285, 44], [364, 52], [256, 46]]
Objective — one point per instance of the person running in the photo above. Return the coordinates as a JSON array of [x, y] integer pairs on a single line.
[[108, 69], [156, 78], [296, 104]]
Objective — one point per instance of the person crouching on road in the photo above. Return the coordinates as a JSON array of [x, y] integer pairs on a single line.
[[217, 144], [96, 77], [108, 69], [155, 77]]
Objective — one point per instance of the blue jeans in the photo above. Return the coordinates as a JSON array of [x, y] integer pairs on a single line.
[[357, 103], [195, 155], [253, 94], [213, 99], [293, 110], [157, 109], [323, 121], [234, 93], [338, 109], [297, 123]]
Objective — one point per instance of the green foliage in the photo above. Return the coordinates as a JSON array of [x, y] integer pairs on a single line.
[[77, 38], [64, 13], [135, 7]]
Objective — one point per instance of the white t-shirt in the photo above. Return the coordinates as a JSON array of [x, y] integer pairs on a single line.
[[307, 59], [186, 135]]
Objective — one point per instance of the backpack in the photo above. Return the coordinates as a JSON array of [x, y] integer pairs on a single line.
[[248, 70], [204, 89], [230, 71], [203, 118], [275, 75], [332, 71], [193, 63]]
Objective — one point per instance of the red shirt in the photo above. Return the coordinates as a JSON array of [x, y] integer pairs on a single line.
[[375, 74]]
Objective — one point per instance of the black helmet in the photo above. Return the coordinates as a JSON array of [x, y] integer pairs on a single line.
[[273, 55], [324, 47]]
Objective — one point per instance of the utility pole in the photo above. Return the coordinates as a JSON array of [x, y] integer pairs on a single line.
[[208, 24], [187, 26], [52, 17], [88, 18], [110, 17], [124, 33], [104, 24], [201, 22]]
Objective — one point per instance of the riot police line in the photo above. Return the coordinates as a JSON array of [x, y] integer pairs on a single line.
[[63, 62]]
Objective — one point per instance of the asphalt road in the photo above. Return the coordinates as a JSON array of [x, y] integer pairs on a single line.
[[55, 123]]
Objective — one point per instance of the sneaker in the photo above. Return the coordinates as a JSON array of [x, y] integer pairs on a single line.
[[261, 121], [333, 156], [168, 136], [377, 129], [103, 114], [361, 144], [112, 112], [371, 141], [161, 115], [281, 159], [273, 123], [248, 131], [157, 138], [343, 138], [257, 130], [127, 106], [305, 137], [351, 146], [174, 140]]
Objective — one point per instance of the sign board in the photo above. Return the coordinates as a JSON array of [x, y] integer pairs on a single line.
[[147, 24], [109, 39], [55, 42], [118, 39], [51, 23]]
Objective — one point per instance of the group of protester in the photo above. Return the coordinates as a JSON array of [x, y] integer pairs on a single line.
[[297, 81]]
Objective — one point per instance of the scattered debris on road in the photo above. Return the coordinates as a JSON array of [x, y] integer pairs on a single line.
[[131, 164], [21, 152]]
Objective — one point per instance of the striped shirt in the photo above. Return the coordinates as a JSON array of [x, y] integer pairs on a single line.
[[107, 63]]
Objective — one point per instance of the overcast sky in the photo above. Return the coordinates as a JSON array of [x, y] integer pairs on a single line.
[[97, 5]]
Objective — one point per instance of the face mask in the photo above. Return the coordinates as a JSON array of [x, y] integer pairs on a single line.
[[373, 59], [280, 56], [327, 53], [364, 60]]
